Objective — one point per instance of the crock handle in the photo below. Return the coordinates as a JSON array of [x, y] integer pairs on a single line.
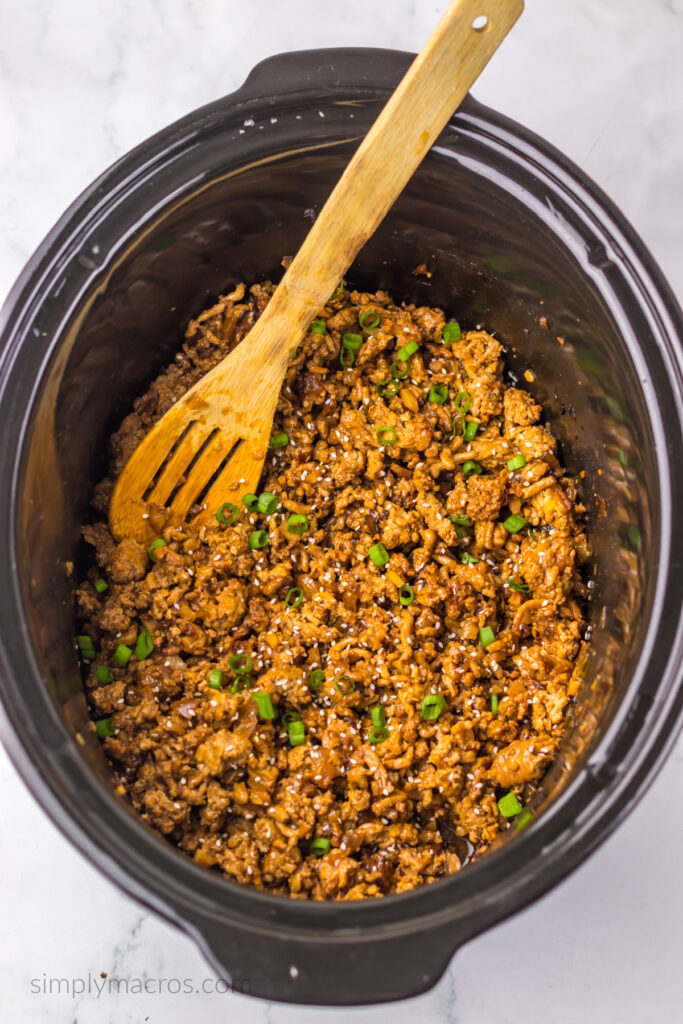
[[326, 71], [352, 970]]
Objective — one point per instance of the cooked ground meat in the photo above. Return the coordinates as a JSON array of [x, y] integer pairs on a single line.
[[396, 715]]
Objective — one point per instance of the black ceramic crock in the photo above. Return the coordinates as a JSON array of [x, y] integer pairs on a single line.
[[515, 238]]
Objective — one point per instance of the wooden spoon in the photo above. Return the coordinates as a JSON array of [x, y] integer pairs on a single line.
[[209, 448]]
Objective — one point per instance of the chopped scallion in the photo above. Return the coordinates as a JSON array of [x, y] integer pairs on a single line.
[[438, 395], [517, 462], [297, 523], [144, 646], [257, 540], [486, 636], [297, 732], [469, 430], [369, 319], [318, 327], [344, 684], [216, 679], [122, 655], [105, 728], [267, 503], [101, 585], [378, 555], [378, 734], [406, 595], [240, 663], [316, 678], [294, 597], [104, 674], [509, 805], [86, 647], [405, 353], [250, 501], [521, 588], [320, 846], [264, 705], [378, 715], [513, 524], [280, 440], [470, 467], [227, 513], [463, 401], [158, 543], [386, 435], [432, 706], [451, 332]]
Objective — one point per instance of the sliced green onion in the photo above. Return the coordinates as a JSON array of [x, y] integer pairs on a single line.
[[518, 462], [240, 663], [513, 524], [460, 532], [280, 440], [267, 503], [366, 322], [432, 706], [122, 655], [468, 559], [486, 636], [104, 728], [524, 817], [406, 595], [242, 682], [386, 435], [347, 357], [378, 715], [294, 597], [405, 353], [352, 341], [290, 716], [216, 679], [461, 520], [451, 332], [250, 501], [463, 401], [257, 540], [264, 705], [158, 543], [438, 394], [294, 354], [469, 430], [86, 647], [144, 646], [623, 458], [297, 733], [297, 523], [101, 585], [494, 703], [344, 684], [509, 805], [378, 734], [227, 513], [386, 388], [397, 373], [318, 327], [320, 846], [104, 674], [521, 588], [339, 290], [470, 467], [316, 678], [378, 555]]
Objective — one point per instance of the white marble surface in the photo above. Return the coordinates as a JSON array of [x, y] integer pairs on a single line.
[[81, 81]]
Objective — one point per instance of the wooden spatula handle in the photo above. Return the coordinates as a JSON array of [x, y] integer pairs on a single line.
[[463, 42]]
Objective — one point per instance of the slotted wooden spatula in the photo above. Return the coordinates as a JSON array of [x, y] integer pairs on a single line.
[[209, 448]]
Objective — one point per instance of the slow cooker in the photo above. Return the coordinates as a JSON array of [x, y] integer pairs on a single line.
[[515, 238]]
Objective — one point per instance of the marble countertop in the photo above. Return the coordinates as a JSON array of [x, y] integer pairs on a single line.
[[81, 82]]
